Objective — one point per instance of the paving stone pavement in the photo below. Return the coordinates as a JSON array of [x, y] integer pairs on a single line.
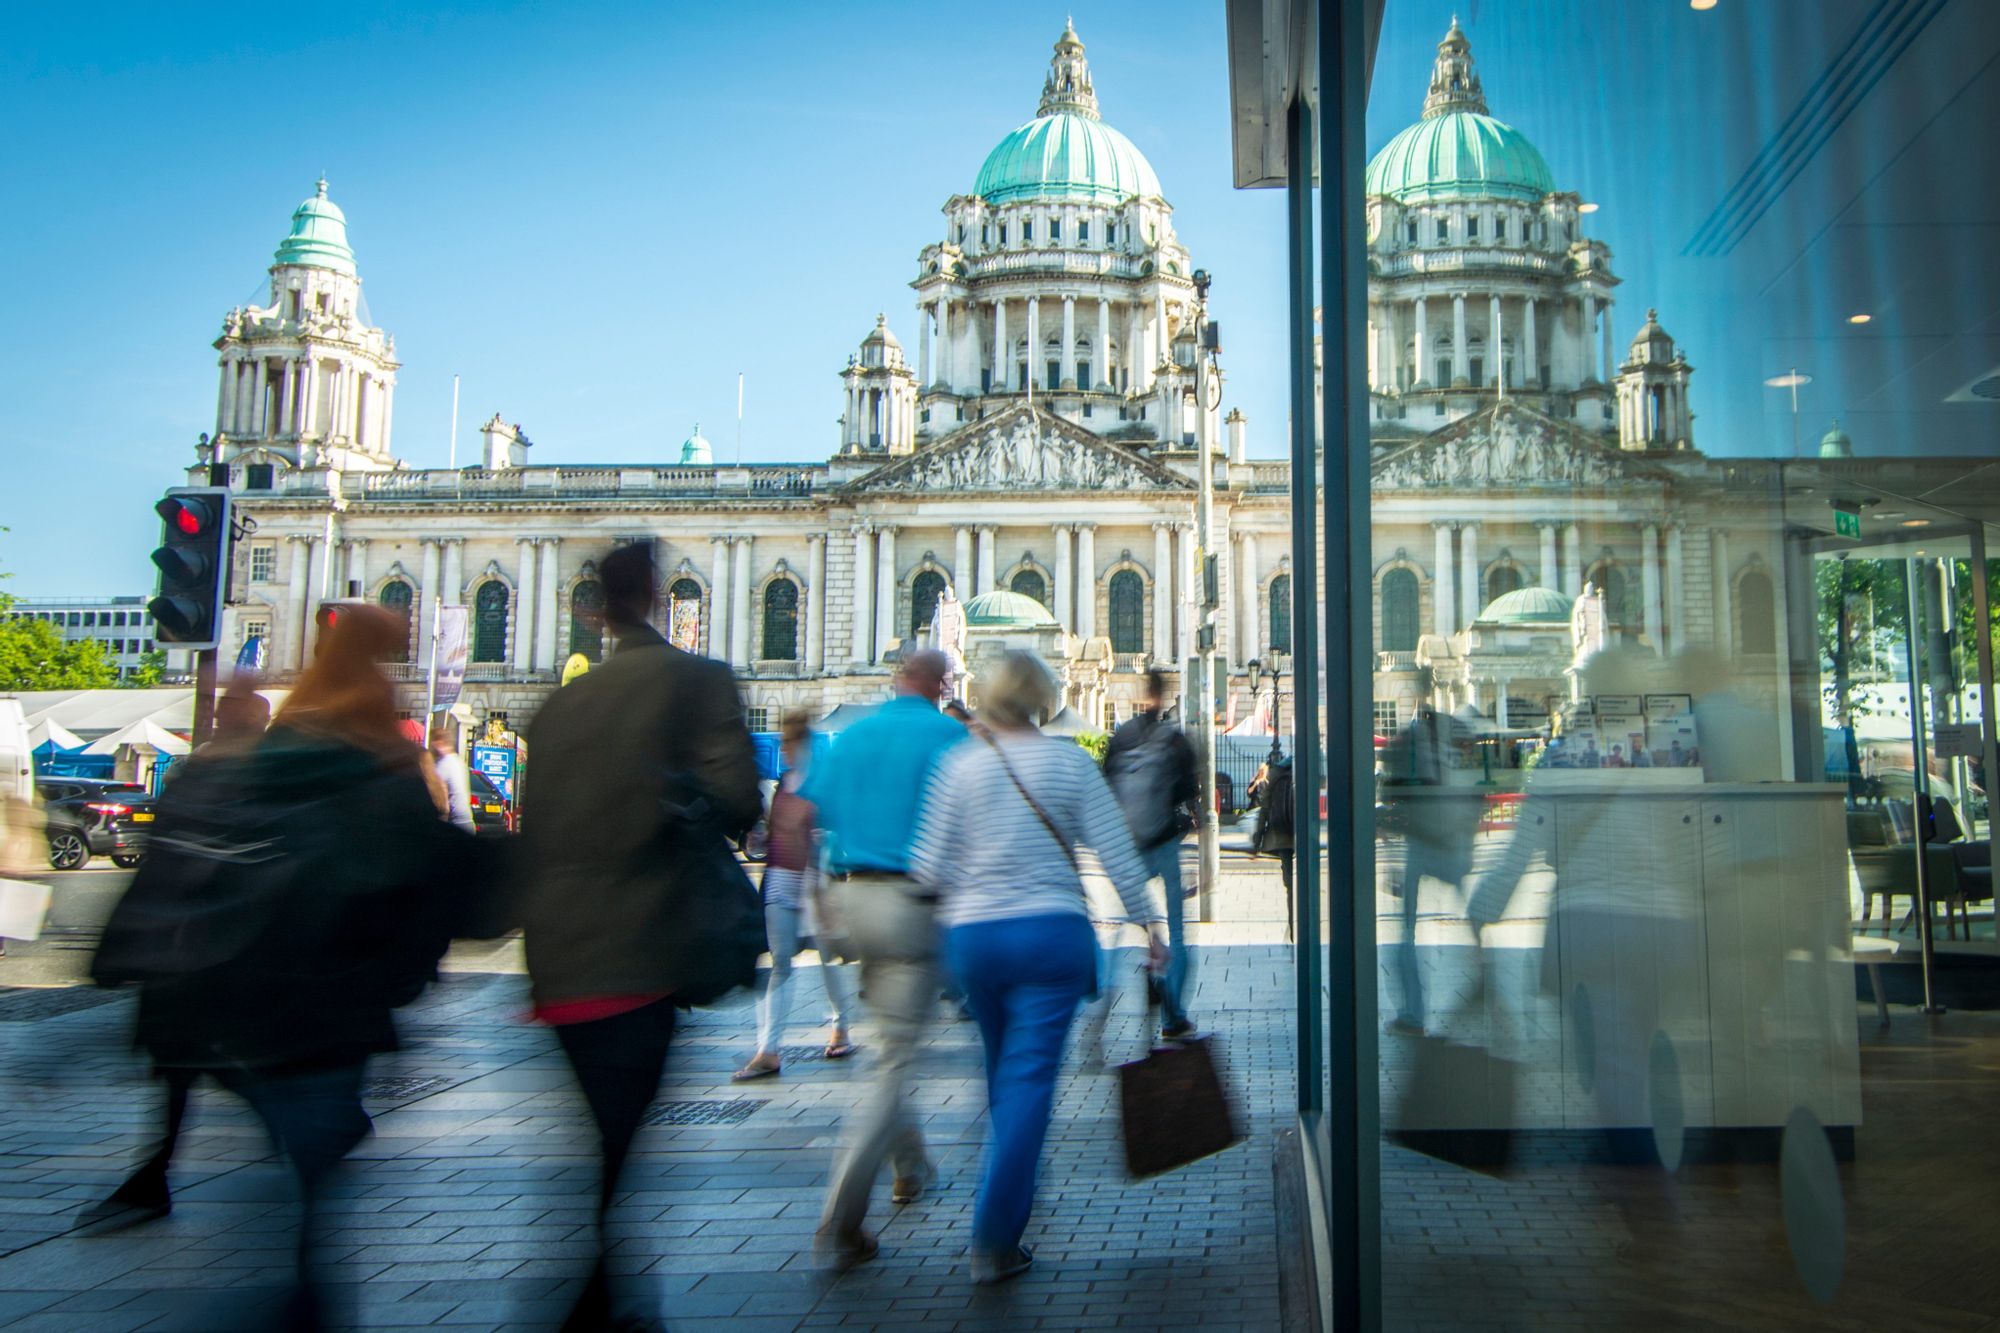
[[470, 1206]]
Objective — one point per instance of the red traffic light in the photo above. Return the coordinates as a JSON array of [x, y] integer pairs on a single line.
[[189, 516]]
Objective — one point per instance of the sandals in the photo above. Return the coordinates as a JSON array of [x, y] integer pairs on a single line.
[[758, 1067], [839, 1048]]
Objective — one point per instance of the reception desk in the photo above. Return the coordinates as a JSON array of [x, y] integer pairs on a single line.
[[1662, 951]]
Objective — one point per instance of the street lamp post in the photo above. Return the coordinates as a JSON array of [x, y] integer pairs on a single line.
[[1208, 582], [1257, 673]]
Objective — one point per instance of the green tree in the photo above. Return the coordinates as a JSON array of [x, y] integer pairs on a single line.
[[34, 656], [151, 667]]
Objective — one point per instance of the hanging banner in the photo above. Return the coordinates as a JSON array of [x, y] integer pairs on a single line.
[[448, 661], [251, 657]]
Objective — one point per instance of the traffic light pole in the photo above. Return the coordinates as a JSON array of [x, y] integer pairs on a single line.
[[204, 696], [1208, 835]]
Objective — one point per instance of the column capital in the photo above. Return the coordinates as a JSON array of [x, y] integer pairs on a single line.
[[1085, 527], [518, 541], [1444, 524]]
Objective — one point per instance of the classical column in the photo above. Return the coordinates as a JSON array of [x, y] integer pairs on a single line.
[[1468, 573], [1420, 374], [989, 573], [1444, 603], [1604, 328], [1676, 582], [1163, 593], [453, 588], [1064, 602], [1649, 575], [1531, 369], [427, 599], [962, 573], [1100, 356], [1573, 561], [1034, 343], [357, 568], [363, 405], [317, 555], [1461, 369], [1250, 641], [1500, 703], [545, 605], [861, 641], [1392, 346], [225, 421], [1495, 343], [1374, 345], [309, 411], [1546, 576], [524, 607], [1725, 614], [388, 417], [887, 631], [944, 366], [739, 607], [1190, 608], [259, 410], [718, 598], [815, 602], [295, 601], [1086, 580], [924, 349], [1135, 361], [1003, 353]]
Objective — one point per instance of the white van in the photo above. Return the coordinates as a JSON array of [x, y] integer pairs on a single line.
[[17, 759]]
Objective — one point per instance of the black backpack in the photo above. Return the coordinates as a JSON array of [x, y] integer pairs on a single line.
[[1279, 814], [1143, 778]]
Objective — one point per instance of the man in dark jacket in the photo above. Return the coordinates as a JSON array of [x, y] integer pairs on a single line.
[[1151, 767], [601, 906]]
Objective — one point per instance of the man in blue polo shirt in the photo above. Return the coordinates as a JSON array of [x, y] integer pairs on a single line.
[[867, 789]]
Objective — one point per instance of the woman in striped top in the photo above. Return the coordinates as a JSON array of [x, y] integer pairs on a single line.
[[996, 840]]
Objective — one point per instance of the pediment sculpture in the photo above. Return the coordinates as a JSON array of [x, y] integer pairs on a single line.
[[1512, 450], [1021, 454]]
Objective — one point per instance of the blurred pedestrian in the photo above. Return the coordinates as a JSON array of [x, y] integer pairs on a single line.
[[997, 838], [1438, 823], [1151, 767], [791, 874], [241, 716], [867, 789], [604, 894], [457, 779], [1271, 794], [293, 895]]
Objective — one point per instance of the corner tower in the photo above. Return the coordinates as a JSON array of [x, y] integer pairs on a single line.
[[306, 381]]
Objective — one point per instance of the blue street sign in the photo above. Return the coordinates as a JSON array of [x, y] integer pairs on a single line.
[[497, 763]]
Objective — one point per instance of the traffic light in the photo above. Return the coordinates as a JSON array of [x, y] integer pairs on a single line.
[[332, 609], [193, 559]]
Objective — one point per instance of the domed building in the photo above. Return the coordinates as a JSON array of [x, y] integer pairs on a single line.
[[1037, 456]]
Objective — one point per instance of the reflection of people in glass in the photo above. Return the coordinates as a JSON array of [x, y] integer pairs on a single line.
[[1438, 829]]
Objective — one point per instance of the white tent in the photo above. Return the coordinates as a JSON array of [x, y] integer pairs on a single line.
[[144, 734], [50, 732]]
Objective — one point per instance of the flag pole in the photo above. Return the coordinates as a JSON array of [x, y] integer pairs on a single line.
[[739, 418]]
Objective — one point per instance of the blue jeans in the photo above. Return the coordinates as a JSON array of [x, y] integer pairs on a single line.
[[1023, 978], [1165, 862]]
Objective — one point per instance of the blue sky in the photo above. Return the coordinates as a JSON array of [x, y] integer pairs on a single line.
[[599, 215]]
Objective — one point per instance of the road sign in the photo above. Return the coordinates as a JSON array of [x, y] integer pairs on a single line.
[[497, 763]]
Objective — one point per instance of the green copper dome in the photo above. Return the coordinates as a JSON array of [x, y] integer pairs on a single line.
[[1528, 606], [696, 451], [319, 236], [1007, 610], [1836, 443], [1457, 151], [1066, 151], [1459, 155]]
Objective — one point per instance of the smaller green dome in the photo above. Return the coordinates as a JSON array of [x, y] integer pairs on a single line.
[[1528, 606], [1004, 609], [1836, 443], [319, 235], [696, 451]]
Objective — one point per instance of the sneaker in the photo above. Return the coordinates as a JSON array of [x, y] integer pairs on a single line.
[[1180, 1031], [839, 1254], [988, 1268], [908, 1189]]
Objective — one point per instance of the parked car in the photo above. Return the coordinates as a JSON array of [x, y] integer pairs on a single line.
[[491, 812], [89, 817]]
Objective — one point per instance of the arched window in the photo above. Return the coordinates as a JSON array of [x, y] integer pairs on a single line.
[[781, 621], [1621, 599], [1399, 611], [925, 590], [1030, 584], [1501, 580], [586, 619], [489, 622], [1281, 614], [684, 615], [397, 595], [1758, 631], [1128, 612]]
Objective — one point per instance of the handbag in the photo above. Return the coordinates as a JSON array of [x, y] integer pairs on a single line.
[[1173, 1108], [717, 930], [1477, 1084]]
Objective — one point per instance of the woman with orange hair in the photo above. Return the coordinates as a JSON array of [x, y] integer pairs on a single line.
[[297, 892]]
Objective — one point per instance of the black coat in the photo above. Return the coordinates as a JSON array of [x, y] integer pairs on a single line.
[[292, 898]]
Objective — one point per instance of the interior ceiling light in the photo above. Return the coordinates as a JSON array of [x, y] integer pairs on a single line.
[[1859, 319], [1791, 380], [1916, 522], [1586, 208], [1701, 4], [1892, 513]]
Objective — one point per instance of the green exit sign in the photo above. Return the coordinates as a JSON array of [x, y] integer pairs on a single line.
[[1846, 523]]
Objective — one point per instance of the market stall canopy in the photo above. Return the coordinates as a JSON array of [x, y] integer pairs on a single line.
[[92, 714], [54, 735], [141, 735], [1066, 723]]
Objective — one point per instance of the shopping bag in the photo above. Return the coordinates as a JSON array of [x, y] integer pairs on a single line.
[[1174, 1107], [1476, 1087], [24, 909]]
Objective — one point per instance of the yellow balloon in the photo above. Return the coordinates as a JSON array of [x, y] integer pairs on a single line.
[[576, 666]]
